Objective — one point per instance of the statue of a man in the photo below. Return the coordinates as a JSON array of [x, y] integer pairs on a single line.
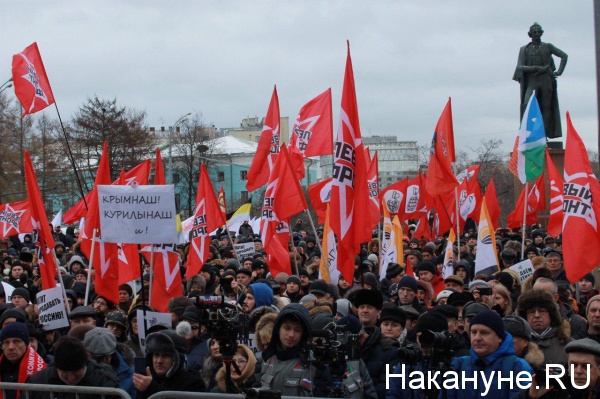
[[536, 71]]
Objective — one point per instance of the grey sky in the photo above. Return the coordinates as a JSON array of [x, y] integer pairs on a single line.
[[222, 58]]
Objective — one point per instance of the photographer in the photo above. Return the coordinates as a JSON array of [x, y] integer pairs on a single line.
[[492, 352], [285, 367], [581, 354]]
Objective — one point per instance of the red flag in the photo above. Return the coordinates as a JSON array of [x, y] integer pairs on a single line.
[[555, 222], [15, 218], [441, 178], [441, 220], [312, 133], [222, 202], [283, 198], [394, 197], [409, 267], [349, 197], [373, 187], [207, 218], [128, 262], [536, 200], [105, 261], [491, 200], [469, 197], [32, 86], [159, 170], [581, 205], [41, 228], [268, 147], [138, 175], [414, 200], [320, 194], [167, 282]]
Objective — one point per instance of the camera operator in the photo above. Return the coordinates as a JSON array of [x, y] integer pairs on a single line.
[[581, 354], [492, 350], [417, 358], [286, 368]]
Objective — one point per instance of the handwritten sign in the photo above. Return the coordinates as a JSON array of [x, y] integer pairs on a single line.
[[152, 319], [8, 290], [138, 214], [244, 250], [51, 307], [524, 269]]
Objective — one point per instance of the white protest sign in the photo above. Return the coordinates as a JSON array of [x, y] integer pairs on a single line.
[[243, 250], [250, 342], [51, 307], [152, 319], [138, 214], [8, 290], [524, 269]]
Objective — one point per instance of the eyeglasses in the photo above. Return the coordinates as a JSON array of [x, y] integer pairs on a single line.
[[194, 328], [540, 311], [240, 362], [100, 303]]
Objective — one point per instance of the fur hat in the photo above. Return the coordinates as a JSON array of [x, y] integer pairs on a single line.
[[541, 299], [166, 341], [367, 297]]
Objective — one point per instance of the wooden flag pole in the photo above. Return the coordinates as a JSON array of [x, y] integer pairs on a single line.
[[524, 221], [89, 277], [312, 224]]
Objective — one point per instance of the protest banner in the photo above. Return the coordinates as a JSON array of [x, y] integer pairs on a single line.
[[8, 290], [152, 319], [250, 342], [51, 308], [244, 250], [524, 269], [137, 214]]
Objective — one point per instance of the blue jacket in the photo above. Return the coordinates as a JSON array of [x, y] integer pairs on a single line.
[[197, 351], [125, 374], [492, 362]]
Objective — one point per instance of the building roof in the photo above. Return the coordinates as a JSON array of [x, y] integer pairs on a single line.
[[232, 145]]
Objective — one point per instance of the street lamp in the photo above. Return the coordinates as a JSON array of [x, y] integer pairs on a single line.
[[6, 85], [171, 129]]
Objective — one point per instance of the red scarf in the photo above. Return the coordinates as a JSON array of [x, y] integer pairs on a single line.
[[31, 363]]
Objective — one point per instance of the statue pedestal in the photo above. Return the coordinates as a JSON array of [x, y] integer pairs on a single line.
[[558, 158]]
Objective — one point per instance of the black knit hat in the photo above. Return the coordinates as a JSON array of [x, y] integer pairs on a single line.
[[320, 287], [126, 288], [23, 292], [258, 264], [244, 271], [15, 330], [293, 279], [426, 266], [393, 270], [589, 277], [69, 354], [490, 319], [408, 282]]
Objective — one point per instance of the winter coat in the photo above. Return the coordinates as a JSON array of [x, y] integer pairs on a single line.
[[197, 351], [533, 355], [578, 324], [209, 371], [245, 380], [474, 364], [96, 375], [553, 343], [181, 381], [377, 351], [357, 377], [124, 373]]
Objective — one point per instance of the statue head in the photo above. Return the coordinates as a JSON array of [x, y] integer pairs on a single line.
[[535, 30]]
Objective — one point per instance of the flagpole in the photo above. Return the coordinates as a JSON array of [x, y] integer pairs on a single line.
[[312, 224], [151, 275], [71, 158], [89, 277], [294, 251], [457, 222], [62, 284], [524, 222], [231, 239]]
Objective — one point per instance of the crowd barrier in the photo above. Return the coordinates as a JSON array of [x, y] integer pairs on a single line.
[[206, 395], [74, 391]]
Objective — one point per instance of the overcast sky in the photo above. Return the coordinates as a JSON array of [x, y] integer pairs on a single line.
[[223, 57]]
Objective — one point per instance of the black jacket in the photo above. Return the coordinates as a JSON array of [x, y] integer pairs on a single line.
[[376, 352], [95, 376], [182, 380]]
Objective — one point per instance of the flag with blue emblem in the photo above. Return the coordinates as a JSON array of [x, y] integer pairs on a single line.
[[527, 159]]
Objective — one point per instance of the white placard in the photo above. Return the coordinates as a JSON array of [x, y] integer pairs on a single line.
[[524, 269], [250, 342], [244, 250], [138, 214], [8, 290], [51, 307], [152, 319]]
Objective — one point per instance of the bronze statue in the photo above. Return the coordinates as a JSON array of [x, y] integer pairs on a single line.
[[536, 71]]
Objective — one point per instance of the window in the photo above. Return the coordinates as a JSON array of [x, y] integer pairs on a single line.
[[176, 178], [177, 201], [220, 176], [244, 196], [243, 174]]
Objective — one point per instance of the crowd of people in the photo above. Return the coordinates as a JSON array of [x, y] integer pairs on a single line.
[[464, 322]]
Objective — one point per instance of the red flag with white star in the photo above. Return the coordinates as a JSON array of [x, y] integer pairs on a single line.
[[349, 196], [320, 194], [43, 238], [15, 218], [268, 147], [207, 218], [167, 282], [312, 133], [555, 222], [106, 255], [581, 206], [32, 86]]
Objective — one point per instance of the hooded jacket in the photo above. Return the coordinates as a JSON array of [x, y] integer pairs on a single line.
[[474, 365], [240, 382]]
